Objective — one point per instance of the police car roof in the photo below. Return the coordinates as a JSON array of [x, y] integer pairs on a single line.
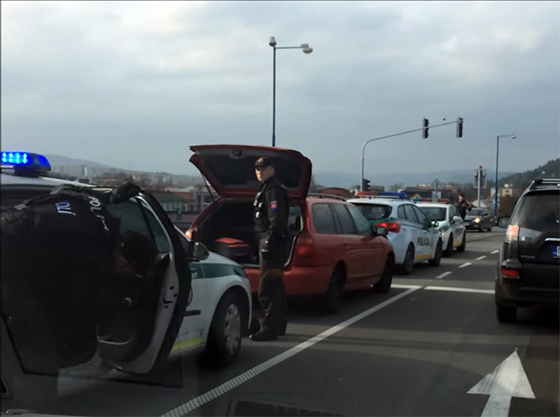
[[11, 179], [428, 204]]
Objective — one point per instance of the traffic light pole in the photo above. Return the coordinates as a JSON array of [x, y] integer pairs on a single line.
[[478, 186], [392, 136]]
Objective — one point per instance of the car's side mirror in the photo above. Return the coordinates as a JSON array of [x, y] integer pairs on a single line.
[[197, 251], [503, 221], [457, 219], [379, 230]]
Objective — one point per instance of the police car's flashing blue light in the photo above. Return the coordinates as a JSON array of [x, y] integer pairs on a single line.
[[393, 194], [25, 160]]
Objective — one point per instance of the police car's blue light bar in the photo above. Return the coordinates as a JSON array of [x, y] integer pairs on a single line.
[[393, 194], [25, 160]]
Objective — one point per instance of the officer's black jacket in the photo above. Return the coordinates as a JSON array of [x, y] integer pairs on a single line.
[[272, 207]]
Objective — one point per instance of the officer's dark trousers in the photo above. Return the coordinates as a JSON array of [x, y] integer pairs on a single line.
[[272, 293]]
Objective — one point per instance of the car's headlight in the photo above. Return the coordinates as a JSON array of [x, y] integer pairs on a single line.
[[477, 220]]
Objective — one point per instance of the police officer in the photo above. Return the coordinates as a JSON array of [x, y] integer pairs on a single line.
[[271, 225], [463, 206]]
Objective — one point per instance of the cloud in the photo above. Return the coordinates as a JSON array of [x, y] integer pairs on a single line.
[[99, 79]]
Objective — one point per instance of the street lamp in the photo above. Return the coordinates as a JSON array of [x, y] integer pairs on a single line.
[[512, 136], [272, 42]]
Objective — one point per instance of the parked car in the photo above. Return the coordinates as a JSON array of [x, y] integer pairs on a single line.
[[205, 304], [450, 225], [332, 247], [529, 261], [415, 238], [479, 219]]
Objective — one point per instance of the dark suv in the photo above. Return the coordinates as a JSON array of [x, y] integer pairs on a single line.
[[529, 262]]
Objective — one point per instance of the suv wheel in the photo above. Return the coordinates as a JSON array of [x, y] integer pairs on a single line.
[[506, 314]]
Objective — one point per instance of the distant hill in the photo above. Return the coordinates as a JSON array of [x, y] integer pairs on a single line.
[[338, 179], [549, 170]]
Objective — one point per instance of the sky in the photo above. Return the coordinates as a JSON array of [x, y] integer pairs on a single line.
[[135, 84]]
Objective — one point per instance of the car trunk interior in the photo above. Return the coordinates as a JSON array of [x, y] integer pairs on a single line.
[[234, 220]]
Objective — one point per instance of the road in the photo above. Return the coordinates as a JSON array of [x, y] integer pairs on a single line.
[[415, 351]]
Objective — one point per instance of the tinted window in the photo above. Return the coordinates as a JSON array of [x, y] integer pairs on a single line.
[[141, 220], [363, 225], [435, 213], [346, 223], [410, 215], [421, 216], [538, 211], [401, 213], [453, 212], [374, 212], [323, 218]]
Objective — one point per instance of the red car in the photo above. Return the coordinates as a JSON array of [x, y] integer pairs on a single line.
[[333, 247]]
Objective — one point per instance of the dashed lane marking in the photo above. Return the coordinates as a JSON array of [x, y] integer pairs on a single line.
[[480, 258], [257, 370], [465, 265], [458, 289], [440, 276], [494, 251]]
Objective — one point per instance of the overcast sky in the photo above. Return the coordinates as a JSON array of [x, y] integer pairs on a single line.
[[134, 84]]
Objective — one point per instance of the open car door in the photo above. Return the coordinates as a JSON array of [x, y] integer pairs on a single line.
[[137, 341], [154, 325]]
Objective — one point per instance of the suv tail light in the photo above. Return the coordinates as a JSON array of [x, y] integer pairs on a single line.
[[511, 249], [390, 226], [509, 273], [304, 245]]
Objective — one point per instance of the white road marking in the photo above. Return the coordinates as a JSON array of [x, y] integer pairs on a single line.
[[480, 258], [440, 276], [494, 251], [404, 286], [251, 373], [465, 265], [506, 381], [458, 289]]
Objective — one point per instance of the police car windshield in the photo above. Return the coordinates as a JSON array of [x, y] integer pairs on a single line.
[[374, 211], [435, 213]]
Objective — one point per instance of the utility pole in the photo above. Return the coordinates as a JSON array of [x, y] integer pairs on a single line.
[[479, 182]]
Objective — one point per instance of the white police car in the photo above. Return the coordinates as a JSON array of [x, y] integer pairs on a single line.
[[414, 237], [450, 224], [206, 300]]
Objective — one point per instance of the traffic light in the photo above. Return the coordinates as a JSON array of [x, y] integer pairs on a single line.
[[460, 127], [365, 184], [425, 124]]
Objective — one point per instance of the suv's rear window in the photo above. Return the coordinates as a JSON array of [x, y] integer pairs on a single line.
[[374, 211], [538, 211]]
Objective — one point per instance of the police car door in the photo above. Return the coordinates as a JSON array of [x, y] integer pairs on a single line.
[[152, 340], [420, 241], [457, 226], [427, 233]]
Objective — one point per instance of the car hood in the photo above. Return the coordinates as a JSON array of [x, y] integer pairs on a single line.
[[230, 169]]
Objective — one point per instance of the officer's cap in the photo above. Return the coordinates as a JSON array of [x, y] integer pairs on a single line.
[[263, 162]]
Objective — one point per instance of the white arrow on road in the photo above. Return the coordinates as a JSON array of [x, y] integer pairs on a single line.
[[508, 380]]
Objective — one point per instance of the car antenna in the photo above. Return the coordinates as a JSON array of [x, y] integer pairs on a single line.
[[208, 187]]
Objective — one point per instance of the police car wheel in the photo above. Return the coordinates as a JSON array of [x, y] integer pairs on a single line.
[[449, 250], [226, 332], [408, 264], [437, 257], [463, 243]]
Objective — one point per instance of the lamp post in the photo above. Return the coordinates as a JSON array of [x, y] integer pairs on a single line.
[[272, 42], [512, 136]]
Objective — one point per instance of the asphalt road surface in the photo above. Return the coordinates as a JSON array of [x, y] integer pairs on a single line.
[[432, 346]]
